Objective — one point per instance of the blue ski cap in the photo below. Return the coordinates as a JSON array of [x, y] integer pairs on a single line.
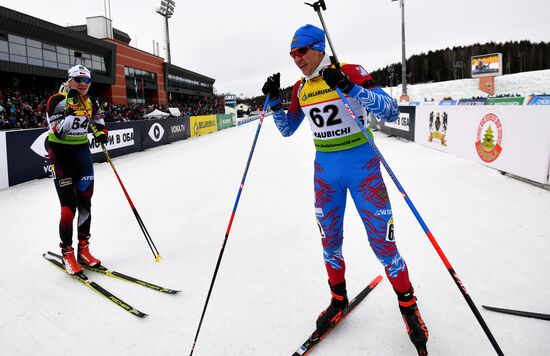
[[309, 35]]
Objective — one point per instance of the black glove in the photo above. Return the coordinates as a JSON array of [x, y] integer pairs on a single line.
[[272, 86], [336, 78], [102, 136], [72, 99], [73, 93]]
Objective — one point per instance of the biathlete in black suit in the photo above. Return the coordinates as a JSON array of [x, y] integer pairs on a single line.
[[70, 114]]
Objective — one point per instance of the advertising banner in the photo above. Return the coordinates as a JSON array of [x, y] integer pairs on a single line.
[[230, 107], [27, 155], [204, 124], [403, 126], [124, 138], [247, 119], [4, 182], [24, 156], [539, 100], [230, 100], [448, 102], [513, 139], [476, 101], [515, 100], [153, 133], [224, 121], [176, 128]]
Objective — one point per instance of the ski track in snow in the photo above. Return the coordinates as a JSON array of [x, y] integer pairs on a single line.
[[272, 283]]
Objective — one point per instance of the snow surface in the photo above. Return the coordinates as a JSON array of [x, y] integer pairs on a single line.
[[525, 84], [272, 283]]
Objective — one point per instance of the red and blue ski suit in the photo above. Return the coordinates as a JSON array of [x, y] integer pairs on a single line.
[[345, 161]]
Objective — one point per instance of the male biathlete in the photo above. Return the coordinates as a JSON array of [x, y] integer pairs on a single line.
[[345, 161]]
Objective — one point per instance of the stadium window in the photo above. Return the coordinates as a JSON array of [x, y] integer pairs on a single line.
[[18, 50], [63, 58], [96, 65], [34, 52], [88, 63], [48, 47], [63, 50], [126, 73], [63, 66], [16, 39], [4, 56], [18, 59], [33, 43], [4, 46], [50, 64], [49, 56], [35, 61]]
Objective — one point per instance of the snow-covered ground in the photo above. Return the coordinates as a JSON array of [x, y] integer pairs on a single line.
[[525, 84], [272, 283]]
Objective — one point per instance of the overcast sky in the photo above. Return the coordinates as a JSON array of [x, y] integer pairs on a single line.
[[240, 42]]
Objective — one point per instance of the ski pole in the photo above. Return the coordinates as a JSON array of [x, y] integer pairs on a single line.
[[134, 210], [317, 7], [230, 222]]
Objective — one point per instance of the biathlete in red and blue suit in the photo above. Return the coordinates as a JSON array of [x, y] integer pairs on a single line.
[[344, 162]]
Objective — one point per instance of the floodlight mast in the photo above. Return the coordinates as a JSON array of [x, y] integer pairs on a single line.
[[166, 10], [403, 55]]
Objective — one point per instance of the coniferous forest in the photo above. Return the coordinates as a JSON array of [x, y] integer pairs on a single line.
[[451, 64], [454, 63]]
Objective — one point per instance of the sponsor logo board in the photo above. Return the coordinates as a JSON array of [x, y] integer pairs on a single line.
[[489, 138]]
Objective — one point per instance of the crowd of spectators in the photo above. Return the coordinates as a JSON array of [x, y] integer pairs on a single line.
[[22, 109], [187, 106], [507, 96]]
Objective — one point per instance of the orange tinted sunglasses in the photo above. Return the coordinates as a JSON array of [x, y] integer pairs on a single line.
[[301, 51]]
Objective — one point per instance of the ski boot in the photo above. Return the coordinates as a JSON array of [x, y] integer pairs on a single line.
[[84, 255], [417, 330], [336, 310], [69, 261]]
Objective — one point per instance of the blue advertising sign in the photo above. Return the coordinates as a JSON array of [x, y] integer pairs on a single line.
[[539, 100], [448, 102]]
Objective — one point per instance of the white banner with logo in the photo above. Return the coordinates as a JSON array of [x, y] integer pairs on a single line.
[[117, 139], [402, 123], [513, 139], [4, 182]]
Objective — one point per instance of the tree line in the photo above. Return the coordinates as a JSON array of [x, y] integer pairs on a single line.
[[451, 64], [455, 63]]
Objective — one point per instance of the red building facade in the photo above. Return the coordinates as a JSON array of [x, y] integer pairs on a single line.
[[130, 57]]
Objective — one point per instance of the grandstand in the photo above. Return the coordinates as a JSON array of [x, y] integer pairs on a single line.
[[35, 54]]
